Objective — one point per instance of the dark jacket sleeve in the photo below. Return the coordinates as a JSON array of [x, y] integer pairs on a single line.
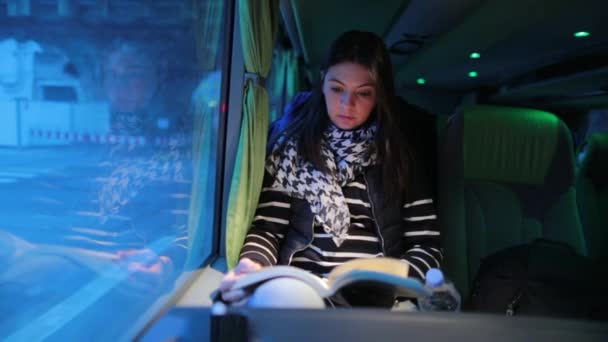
[[269, 225]]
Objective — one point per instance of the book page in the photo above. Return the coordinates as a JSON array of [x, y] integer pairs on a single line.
[[386, 265], [268, 273], [400, 286], [382, 271]]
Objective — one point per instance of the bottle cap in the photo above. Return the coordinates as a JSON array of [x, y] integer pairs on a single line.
[[219, 309], [434, 277]]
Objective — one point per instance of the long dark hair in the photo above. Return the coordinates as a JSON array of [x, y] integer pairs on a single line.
[[307, 122]]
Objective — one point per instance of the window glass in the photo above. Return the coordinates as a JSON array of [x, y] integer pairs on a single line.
[[597, 122], [108, 145], [276, 84], [59, 93]]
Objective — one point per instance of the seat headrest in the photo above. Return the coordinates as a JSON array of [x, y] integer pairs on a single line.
[[595, 162], [514, 145]]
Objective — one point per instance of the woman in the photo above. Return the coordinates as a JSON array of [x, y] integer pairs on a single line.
[[340, 182]]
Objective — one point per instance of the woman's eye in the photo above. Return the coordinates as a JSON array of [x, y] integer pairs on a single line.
[[336, 89], [365, 93]]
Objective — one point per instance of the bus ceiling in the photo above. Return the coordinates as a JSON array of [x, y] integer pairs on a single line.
[[461, 46]]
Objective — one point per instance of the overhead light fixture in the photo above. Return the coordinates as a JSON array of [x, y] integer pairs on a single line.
[[475, 55], [581, 34], [472, 73], [421, 81]]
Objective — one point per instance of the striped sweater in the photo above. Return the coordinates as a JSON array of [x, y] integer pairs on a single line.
[[271, 221]]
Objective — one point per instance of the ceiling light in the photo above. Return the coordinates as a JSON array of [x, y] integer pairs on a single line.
[[472, 73], [475, 55], [581, 34], [421, 81]]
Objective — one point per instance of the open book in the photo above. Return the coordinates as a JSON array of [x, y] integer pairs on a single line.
[[388, 274]]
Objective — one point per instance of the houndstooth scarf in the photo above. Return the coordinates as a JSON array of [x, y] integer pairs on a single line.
[[346, 154]]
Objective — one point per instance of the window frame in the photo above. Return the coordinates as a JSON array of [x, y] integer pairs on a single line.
[[234, 116]]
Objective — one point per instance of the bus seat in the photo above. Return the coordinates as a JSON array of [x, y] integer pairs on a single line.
[[419, 127], [506, 178], [592, 195]]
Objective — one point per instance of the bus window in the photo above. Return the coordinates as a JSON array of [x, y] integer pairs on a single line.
[[285, 80], [108, 147], [596, 122]]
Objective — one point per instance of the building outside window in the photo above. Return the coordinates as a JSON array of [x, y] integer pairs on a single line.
[[109, 125]]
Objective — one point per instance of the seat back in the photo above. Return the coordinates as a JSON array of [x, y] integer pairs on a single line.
[[592, 195], [506, 178]]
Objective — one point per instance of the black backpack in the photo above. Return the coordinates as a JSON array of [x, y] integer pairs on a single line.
[[541, 278]]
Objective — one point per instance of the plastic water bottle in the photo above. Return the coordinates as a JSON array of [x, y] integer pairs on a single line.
[[444, 295]]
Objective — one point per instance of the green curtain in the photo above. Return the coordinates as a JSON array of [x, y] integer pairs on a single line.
[[277, 75], [284, 82], [276, 83], [293, 81], [207, 24], [258, 21]]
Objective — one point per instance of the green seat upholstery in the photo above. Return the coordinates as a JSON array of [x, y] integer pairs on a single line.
[[592, 195], [506, 177]]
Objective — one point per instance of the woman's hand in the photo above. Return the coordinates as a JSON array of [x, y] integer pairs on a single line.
[[244, 266], [148, 272]]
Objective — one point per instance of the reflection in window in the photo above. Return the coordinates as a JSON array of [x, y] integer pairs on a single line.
[[108, 148], [597, 122], [59, 93]]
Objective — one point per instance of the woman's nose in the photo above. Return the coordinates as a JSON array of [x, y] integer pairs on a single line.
[[347, 99]]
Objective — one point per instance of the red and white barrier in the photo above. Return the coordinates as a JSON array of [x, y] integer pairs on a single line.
[[57, 137]]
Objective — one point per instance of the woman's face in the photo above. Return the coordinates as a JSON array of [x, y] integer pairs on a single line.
[[130, 81], [350, 94]]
